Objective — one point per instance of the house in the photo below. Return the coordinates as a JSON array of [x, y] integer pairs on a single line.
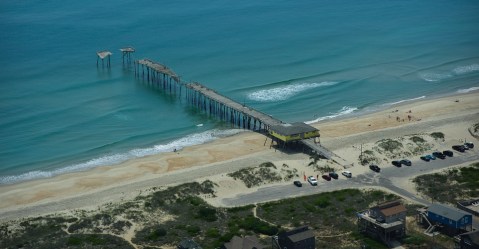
[[299, 238], [386, 221], [450, 220], [248, 242], [188, 244], [468, 240], [293, 132], [389, 212]]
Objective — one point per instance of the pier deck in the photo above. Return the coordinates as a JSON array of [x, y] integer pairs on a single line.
[[160, 68], [245, 110], [224, 108]]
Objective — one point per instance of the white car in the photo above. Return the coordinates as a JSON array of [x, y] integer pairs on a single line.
[[347, 174], [312, 180]]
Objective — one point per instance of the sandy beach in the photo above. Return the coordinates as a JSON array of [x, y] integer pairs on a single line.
[[451, 115]]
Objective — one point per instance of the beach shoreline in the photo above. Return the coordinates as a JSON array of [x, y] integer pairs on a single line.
[[88, 189]]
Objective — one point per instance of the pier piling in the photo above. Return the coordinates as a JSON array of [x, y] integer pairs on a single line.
[[102, 55]]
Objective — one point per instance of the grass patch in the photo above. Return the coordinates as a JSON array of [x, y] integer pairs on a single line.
[[450, 185]]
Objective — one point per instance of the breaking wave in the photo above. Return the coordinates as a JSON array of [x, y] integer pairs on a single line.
[[285, 92], [405, 100], [190, 140], [468, 90], [460, 70], [344, 111]]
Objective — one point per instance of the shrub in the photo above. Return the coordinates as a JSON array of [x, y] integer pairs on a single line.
[[389, 145], [207, 214], [437, 135], [213, 233], [417, 139], [323, 201]]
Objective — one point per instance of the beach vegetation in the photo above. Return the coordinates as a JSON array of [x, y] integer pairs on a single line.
[[262, 174], [450, 185], [437, 135], [369, 157], [183, 214], [475, 128], [389, 145]]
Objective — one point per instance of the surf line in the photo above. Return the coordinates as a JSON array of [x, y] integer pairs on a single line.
[[239, 115]]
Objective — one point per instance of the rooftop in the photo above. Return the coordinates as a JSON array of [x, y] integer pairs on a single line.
[[292, 129], [446, 211], [391, 208], [247, 242], [474, 236]]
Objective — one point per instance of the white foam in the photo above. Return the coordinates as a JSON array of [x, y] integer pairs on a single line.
[[433, 77], [405, 100], [468, 90], [285, 92], [190, 140], [466, 69], [344, 111], [460, 70]]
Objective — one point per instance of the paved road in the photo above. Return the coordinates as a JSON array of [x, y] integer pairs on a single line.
[[386, 179]]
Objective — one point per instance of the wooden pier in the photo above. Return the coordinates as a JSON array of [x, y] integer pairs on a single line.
[[226, 109], [126, 53], [102, 55]]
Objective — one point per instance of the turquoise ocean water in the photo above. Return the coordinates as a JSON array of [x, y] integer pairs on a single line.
[[296, 60]]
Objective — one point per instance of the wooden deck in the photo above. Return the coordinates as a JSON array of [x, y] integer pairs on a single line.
[[266, 119], [159, 68]]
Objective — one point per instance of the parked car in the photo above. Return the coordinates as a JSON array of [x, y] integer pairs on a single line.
[[460, 148], [432, 157], [396, 163], [334, 175], [438, 155], [468, 145], [347, 174], [406, 162], [312, 180], [448, 153], [327, 177], [374, 168], [298, 183], [426, 158]]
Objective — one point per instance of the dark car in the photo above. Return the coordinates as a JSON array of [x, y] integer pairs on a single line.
[[396, 163], [298, 183], [327, 177], [426, 158], [468, 145], [334, 175], [459, 148], [374, 168], [406, 162], [438, 155], [448, 153]]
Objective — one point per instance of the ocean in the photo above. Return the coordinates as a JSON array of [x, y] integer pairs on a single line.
[[303, 61]]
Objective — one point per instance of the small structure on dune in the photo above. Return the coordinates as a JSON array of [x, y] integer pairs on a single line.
[[248, 242], [445, 219], [299, 238], [102, 55], [386, 221]]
